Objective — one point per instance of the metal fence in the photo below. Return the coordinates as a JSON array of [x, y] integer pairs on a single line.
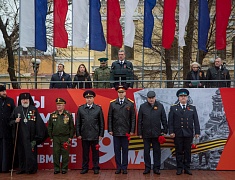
[[137, 83]]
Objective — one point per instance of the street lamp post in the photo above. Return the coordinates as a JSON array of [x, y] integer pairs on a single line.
[[36, 63]]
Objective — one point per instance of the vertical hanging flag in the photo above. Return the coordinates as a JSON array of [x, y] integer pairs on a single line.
[[33, 24], [203, 24], [114, 29], [96, 34], [80, 22], [130, 6], [60, 34], [184, 6], [168, 30], [148, 22], [223, 11]]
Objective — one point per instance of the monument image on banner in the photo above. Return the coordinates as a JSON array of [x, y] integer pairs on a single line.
[[214, 127]]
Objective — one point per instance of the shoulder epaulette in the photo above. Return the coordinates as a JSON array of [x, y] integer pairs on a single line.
[[173, 104], [113, 100], [54, 112], [67, 112], [191, 105], [130, 100], [98, 105]]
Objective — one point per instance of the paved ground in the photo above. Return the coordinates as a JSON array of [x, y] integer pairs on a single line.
[[132, 174]]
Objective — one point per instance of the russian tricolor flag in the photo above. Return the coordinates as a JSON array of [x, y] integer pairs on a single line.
[[33, 24], [148, 22]]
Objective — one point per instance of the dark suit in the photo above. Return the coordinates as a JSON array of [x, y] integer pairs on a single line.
[[62, 84], [150, 119], [183, 123], [216, 73], [125, 71]]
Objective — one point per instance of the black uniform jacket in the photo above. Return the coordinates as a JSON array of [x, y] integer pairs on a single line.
[[7, 105], [90, 122], [183, 124], [121, 118], [150, 119], [65, 77]]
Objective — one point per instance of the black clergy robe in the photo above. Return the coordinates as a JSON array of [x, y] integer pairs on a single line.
[[31, 131]]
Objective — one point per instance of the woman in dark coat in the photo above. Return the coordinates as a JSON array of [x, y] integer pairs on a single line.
[[195, 75], [82, 75]]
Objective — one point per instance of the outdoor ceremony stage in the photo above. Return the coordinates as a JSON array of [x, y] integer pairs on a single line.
[[132, 175], [215, 107]]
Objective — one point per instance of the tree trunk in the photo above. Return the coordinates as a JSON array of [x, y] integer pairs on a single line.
[[11, 60], [168, 68], [11, 68], [187, 50]]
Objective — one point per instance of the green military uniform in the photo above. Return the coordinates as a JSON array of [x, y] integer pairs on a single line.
[[102, 74], [60, 129]]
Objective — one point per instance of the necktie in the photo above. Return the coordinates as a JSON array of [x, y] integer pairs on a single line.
[[184, 107], [121, 102]]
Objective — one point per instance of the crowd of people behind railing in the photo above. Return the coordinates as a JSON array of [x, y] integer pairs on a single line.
[[121, 72]]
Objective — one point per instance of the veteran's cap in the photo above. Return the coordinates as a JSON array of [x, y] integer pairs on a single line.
[[89, 93], [182, 92], [151, 94], [60, 101], [2, 88]]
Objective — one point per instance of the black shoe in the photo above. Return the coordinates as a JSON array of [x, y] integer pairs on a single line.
[[56, 172], [156, 171], [179, 172], [96, 171], [20, 172], [84, 171], [32, 172], [124, 171], [146, 171], [187, 171], [64, 172], [118, 171]]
